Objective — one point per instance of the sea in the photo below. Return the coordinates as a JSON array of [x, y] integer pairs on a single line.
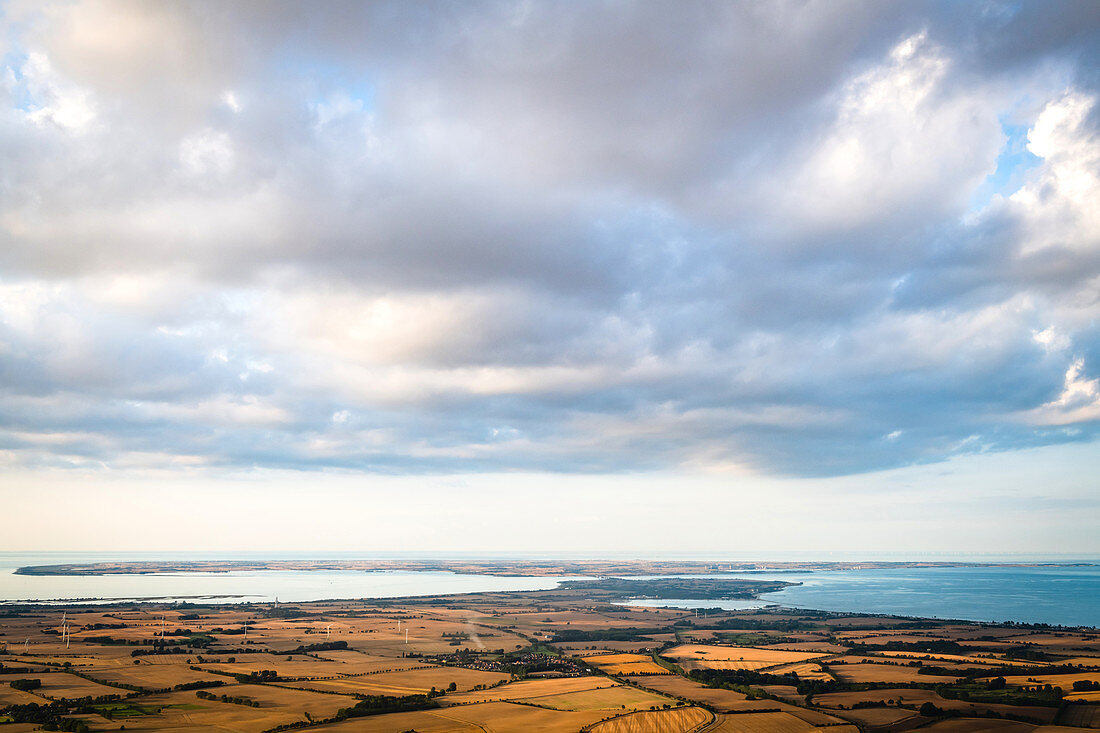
[[1060, 596], [237, 586], [1066, 594]]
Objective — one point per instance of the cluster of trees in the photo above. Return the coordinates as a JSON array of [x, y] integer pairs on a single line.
[[324, 646], [1086, 686], [382, 704], [198, 685], [264, 675], [627, 634], [743, 678], [204, 695], [996, 690], [160, 645], [1028, 654], [50, 717], [763, 624], [930, 646], [26, 685]]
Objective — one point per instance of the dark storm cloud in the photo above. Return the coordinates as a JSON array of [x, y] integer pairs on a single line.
[[544, 236]]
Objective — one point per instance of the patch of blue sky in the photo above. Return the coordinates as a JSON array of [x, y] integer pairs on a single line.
[[1013, 164], [328, 78], [11, 78]]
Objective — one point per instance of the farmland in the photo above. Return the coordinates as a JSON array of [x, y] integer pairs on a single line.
[[626, 664], [563, 660]]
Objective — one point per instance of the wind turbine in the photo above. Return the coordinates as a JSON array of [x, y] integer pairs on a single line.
[[328, 632]]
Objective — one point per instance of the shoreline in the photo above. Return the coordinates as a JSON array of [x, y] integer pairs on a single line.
[[321, 605]]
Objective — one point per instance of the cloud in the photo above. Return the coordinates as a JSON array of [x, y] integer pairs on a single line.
[[512, 236]]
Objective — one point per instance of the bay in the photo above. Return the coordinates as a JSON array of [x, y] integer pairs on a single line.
[[239, 586], [1065, 596]]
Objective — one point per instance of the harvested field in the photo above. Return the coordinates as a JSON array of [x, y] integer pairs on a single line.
[[529, 689], [729, 700], [696, 656], [1083, 661], [787, 692], [10, 696], [919, 697], [882, 673], [626, 664], [761, 723], [1085, 696], [183, 710], [501, 717], [407, 682], [847, 699], [681, 720], [152, 676], [877, 717], [620, 697], [62, 686], [677, 686], [1065, 681], [978, 725], [803, 670], [823, 647], [975, 660], [359, 662], [871, 659], [1083, 716]]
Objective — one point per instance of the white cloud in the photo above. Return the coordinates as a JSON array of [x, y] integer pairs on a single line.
[[1079, 401], [208, 152], [54, 100], [903, 142], [1059, 206]]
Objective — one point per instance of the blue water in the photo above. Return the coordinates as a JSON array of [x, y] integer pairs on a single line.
[[239, 586], [1065, 596], [1068, 596]]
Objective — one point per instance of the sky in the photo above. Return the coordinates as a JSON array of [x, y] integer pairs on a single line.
[[713, 277]]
